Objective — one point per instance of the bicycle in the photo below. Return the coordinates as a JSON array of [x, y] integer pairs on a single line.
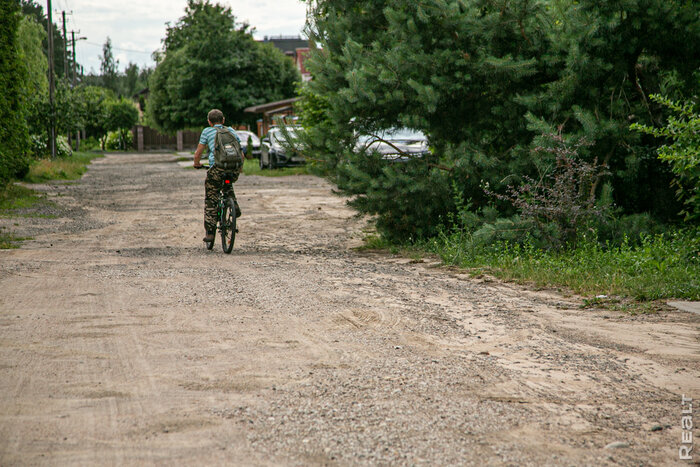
[[226, 220]]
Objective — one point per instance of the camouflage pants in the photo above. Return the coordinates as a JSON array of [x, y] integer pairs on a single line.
[[214, 182]]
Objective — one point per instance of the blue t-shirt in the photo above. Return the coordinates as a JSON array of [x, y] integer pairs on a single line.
[[209, 135]]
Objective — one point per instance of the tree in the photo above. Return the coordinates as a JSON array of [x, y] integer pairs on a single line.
[[92, 105], [14, 136], [130, 80], [31, 9], [121, 116], [683, 154], [108, 66], [484, 79], [36, 85], [210, 61]]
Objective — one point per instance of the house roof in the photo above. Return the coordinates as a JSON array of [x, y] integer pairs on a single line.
[[277, 106], [287, 44]]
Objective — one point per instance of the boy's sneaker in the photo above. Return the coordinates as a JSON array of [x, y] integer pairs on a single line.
[[238, 209]]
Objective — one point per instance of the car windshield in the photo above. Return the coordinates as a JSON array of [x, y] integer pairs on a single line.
[[244, 135], [277, 136], [395, 134]]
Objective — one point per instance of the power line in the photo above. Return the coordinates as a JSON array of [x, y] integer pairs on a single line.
[[121, 49]]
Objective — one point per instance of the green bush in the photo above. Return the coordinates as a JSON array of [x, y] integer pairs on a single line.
[[63, 149], [39, 146], [14, 136], [119, 140], [90, 143], [683, 154]]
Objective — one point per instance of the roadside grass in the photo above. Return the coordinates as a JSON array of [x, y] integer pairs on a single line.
[[661, 267], [14, 197], [9, 240], [68, 168], [14, 201], [252, 167], [18, 201]]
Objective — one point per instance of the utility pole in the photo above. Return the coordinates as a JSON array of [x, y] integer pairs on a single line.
[[65, 63], [65, 47], [77, 133], [75, 80], [72, 40], [52, 124], [75, 59]]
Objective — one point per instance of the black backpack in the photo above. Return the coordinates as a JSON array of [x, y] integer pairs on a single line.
[[227, 150]]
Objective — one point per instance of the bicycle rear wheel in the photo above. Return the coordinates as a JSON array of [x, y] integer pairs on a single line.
[[228, 226]]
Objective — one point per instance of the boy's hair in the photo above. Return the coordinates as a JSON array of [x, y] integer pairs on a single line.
[[215, 116]]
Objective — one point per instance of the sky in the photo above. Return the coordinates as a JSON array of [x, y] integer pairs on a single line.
[[136, 27]]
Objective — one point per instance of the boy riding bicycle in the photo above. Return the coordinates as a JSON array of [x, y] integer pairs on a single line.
[[215, 175]]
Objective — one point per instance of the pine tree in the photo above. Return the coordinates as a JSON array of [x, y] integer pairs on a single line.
[[108, 66], [484, 79]]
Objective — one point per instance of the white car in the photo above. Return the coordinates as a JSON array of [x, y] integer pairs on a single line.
[[244, 135]]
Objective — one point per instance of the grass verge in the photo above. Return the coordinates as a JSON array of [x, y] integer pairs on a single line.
[[69, 168], [252, 167], [18, 201], [15, 197], [8, 240], [661, 267]]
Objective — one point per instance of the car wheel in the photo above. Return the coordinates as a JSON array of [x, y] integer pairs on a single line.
[[265, 157]]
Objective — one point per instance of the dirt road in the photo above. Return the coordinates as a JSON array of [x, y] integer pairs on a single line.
[[123, 341]]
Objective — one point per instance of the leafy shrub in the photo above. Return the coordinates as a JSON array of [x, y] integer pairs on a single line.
[[563, 201], [631, 229], [683, 129], [39, 147], [63, 149], [14, 136], [119, 140], [90, 143]]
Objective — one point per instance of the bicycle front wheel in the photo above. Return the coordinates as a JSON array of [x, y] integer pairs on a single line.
[[228, 226]]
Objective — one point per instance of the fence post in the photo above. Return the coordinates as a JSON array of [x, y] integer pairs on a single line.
[[139, 138], [180, 142]]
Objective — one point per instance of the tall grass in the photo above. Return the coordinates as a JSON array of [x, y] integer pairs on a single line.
[[68, 168], [661, 266], [252, 167], [14, 197]]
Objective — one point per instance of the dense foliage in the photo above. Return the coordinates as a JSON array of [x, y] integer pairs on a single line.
[[36, 86], [683, 131], [33, 10], [121, 116], [210, 61], [485, 79], [14, 135]]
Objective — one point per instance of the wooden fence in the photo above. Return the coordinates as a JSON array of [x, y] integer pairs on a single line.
[[148, 139]]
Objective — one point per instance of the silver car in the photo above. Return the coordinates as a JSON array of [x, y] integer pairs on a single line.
[[275, 151], [395, 144]]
